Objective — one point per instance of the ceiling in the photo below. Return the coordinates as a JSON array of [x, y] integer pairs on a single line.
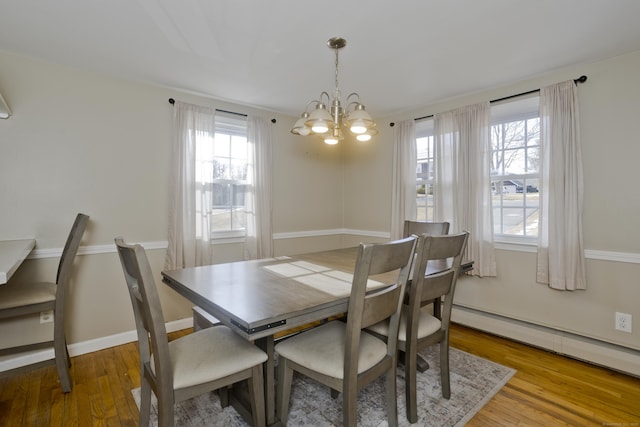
[[272, 54]]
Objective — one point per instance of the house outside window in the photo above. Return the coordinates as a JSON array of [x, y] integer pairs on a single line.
[[224, 165]]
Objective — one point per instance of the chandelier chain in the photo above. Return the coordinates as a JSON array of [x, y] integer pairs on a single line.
[[337, 83]]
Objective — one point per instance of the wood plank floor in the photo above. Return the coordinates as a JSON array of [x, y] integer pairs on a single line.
[[547, 390]]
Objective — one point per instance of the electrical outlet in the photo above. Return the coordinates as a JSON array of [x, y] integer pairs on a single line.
[[46, 316], [623, 322]]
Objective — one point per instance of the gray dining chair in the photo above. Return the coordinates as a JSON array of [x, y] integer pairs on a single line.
[[315, 353], [431, 228], [20, 299], [206, 360], [418, 328]]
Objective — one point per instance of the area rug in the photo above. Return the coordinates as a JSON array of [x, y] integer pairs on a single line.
[[474, 381]]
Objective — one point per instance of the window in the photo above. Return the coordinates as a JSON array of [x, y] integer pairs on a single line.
[[224, 165], [425, 171], [515, 141]]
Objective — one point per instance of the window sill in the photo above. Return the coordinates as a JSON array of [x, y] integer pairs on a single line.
[[516, 244], [227, 237]]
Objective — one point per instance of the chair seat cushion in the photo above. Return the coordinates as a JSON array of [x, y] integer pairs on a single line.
[[427, 325], [322, 349], [22, 294], [210, 354]]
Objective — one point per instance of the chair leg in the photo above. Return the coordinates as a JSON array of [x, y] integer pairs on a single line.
[[444, 369], [223, 393], [256, 391], [410, 368], [145, 403], [285, 377], [392, 408], [61, 355], [350, 405], [166, 408]]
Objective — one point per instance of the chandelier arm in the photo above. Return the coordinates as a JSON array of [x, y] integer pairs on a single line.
[[327, 96], [353, 94]]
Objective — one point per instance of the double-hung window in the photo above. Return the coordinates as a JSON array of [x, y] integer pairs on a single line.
[[515, 154], [425, 171], [226, 161], [515, 141]]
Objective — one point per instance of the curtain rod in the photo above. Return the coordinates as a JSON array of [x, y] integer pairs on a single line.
[[173, 101], [580, 79]]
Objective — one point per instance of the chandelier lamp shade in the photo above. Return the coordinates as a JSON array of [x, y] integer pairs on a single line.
[[329, 119]]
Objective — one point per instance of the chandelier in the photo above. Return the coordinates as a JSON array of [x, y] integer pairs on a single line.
[[329, 117]]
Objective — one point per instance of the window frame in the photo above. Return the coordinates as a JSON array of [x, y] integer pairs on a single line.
[[425, 130], [230, 126], [520, 108], [514, 110]]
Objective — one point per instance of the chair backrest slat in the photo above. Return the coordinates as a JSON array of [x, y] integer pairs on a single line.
[[380, 305], [425, 227]]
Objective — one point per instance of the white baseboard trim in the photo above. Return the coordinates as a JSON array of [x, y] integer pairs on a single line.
[[593, 351], [28, 358], [589, 350]]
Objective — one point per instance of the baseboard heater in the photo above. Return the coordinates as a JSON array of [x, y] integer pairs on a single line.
[[590, 350]]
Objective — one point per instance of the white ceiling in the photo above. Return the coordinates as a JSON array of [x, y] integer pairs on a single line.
[[272, 54]]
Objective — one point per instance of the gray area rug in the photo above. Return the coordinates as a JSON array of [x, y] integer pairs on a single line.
[[474, 381]]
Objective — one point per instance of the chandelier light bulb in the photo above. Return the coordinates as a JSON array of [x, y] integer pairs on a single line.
[[358, 127], [319, 128], [363, 137], [331, 140]]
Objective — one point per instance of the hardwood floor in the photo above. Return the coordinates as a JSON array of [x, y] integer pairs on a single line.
[[547, 390]]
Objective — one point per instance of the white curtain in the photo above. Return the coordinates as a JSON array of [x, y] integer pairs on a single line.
[[561, 262], [403, 196], [259, 239], [190, 189], [463, 180]]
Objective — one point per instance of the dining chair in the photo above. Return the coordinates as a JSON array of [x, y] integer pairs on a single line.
[[418, 328], [434, 229], [342, 355], [20, 299], [206, 360]]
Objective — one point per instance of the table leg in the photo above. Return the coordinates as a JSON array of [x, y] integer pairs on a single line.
[[267, 345], [421, 364]]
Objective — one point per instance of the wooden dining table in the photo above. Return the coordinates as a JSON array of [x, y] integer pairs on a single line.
[[12, 254], [260, 298]]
